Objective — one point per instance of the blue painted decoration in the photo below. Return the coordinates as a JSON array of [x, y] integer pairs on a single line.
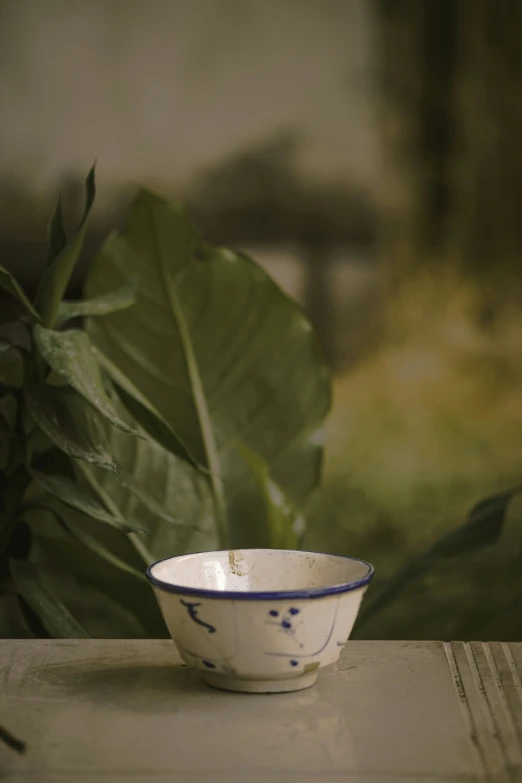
[[192, 609], [285, 622], [309, 653]]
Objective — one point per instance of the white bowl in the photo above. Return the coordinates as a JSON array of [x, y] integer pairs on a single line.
[[260, 620]]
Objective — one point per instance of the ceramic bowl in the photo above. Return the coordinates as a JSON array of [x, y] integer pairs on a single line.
[[260, 620]]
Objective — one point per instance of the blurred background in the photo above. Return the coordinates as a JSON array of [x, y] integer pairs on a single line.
[[368, 154]]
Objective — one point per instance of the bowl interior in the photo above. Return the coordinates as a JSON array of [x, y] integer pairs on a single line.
[[260, 571]]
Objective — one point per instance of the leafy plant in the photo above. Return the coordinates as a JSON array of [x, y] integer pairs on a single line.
[[482, 528], [217, 354], [182, 412]]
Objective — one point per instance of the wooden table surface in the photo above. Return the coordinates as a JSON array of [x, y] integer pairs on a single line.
[[119, 711]]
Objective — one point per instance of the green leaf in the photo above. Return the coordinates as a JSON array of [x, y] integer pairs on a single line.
[[53, 461], [90, 192], [10, 284], [6, 527], [142, 411], [32, 585], [154, 425], [5, 432], [483, 527], [14, 488], [71, 494], [133, 594], [56, 234], [11, 369], [70, 423], [70, 355], [56, 277], [95, 545], [220, 352], [129, 482], [164, 489], [283, 522], [15, 334], [8, 411], [12, 313], [117, 300]]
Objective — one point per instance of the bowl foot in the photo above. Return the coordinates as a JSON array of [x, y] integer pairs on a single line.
[[225, 683]]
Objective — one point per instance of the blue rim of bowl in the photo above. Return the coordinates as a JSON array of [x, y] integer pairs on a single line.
[[267, 595]]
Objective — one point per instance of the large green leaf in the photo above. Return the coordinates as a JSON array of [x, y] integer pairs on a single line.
[[56, 234], [90, 541], [62, 258], [133, 594], [31, 583], [70, 423], [10, 284], [134, 486], [163, 493], [220, 352], [142, 410], [483, 527], [71, 494], [120, 299], [70, 355], [284, 523]]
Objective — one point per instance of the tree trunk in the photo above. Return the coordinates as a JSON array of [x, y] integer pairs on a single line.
[[488, 197], [451, 119]]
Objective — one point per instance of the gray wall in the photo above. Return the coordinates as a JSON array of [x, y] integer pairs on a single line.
[[156, 89]]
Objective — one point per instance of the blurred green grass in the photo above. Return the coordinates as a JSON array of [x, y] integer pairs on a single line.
[[418, 434]]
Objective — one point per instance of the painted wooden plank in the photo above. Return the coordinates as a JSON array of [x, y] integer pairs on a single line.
[[387, 712]]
